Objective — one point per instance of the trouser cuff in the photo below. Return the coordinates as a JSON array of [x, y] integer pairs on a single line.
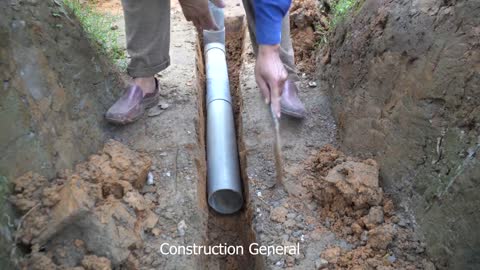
[[148, 72]]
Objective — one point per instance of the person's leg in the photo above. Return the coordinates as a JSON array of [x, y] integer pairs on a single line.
[[286, 48], [290, 103], [147, 24]]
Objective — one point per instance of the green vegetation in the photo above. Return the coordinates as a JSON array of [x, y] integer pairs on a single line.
[[338, 11], [341, 8], [100, 29], [322, 34]]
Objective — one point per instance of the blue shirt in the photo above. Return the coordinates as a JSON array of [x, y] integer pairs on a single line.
[[268, 20]]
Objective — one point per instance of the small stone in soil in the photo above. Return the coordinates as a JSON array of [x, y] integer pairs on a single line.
[[150, 178], [297, 234], [402, 223], [327, 222], [181, 228], [321, 263], [395, 219], [312, 206], [154, 112], [290, 261], [157, 262], [289, 223], [391, 259], [156, 231], [364, 236]]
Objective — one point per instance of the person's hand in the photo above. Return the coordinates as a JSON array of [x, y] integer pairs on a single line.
[[198, 13], [270, 75]]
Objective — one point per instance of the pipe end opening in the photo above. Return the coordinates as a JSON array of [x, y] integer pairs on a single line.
[[226, 201]]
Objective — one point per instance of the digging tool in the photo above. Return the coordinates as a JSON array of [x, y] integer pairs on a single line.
[[277, 150], [223, 173]]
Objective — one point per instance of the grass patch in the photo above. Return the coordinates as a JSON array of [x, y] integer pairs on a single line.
[[99, 30], [341, 8], [337, 11]]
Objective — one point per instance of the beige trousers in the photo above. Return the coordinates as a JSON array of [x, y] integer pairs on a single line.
[[147, 24]]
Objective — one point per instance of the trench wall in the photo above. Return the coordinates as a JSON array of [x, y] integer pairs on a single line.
[[55, 90], [404, 81]]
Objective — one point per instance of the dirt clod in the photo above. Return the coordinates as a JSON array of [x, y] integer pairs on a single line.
[[357, 182], [92, 262], [279, 214], [373, 62], [374, 217], [28, 191], [307, 22], [331, 255], [353, 206], [380, 237], [357, 229], [96, 210]]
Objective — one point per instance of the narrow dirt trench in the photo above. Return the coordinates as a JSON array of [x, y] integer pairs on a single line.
[[236, 229]]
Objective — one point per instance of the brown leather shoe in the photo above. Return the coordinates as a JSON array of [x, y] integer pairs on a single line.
[[290, 104], [131, 106]]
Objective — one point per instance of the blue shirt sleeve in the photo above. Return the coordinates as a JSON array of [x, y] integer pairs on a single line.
[[268, 20]]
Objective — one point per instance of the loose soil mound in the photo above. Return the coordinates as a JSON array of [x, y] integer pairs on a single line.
[[404, 81], [353, 206], [96, 210], [308, 23]]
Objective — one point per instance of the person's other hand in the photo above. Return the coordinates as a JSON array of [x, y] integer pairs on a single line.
[[270, 75], [197, 12]]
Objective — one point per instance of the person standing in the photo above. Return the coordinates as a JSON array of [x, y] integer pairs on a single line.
[[147, 24]]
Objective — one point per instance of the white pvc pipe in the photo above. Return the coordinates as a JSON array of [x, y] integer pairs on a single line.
[[223, 174]]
